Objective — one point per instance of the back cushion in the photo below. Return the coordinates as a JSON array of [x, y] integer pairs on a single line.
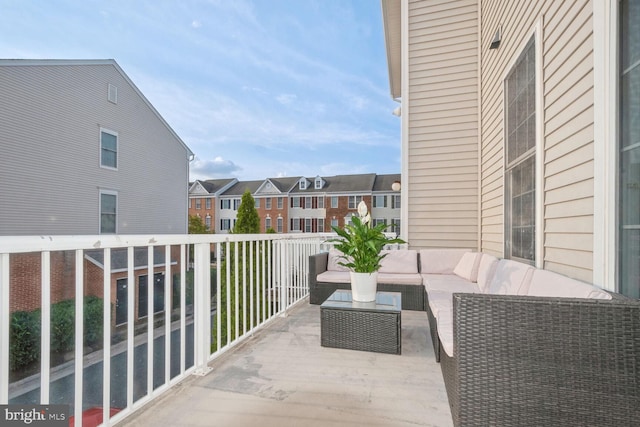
[[511, 278], [467, 267], [399, 261], [549, 284], [440, 261], [335, 256], [486, 270]]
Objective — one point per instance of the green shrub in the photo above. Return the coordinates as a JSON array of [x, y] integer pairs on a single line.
[[63, 326], [24, 340], [93, 320]]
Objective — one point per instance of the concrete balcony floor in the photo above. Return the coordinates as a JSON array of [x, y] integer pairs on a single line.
[[283, 377]]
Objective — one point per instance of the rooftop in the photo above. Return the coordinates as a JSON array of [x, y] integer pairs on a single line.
[[281, 376]]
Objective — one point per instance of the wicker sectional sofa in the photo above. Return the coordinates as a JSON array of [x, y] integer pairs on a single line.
[[521, 346], [398, 273]]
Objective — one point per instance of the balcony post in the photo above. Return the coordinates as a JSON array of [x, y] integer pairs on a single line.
[[202, 308]]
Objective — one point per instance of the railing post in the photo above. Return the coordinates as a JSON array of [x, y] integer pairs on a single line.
[[202, 308]]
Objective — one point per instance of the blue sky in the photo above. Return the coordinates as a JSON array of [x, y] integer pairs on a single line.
[[256, 89]]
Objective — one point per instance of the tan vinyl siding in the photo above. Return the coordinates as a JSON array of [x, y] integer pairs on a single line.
[[567, 137], [443, 124], [51, 117]]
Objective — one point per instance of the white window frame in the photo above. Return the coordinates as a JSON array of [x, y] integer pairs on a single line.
[[320, 225], [302, 184], [280, 202], [279, 224], [295, 202], [536, 33], [334, 202], [236, 204], [113, 133], [267, 203], [225, 224], [308, 227], [108, 193], [296, 224], [207, 203], [320, 203], [334, 222], [257, 203], [267, 223], [225, 204], [376, 198], [198, 203], [308, 202], [318, 183], [354, 201]]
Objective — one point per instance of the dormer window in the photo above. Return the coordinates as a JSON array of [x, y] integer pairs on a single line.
[[318, 183], [303, 184]]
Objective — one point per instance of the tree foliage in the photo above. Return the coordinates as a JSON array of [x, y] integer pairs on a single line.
[[197, 225], [248, 220]]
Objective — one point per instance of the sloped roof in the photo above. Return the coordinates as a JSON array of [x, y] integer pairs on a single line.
[[384, 182], [214, 185], [285, 184], [240, 187], [340, 184]]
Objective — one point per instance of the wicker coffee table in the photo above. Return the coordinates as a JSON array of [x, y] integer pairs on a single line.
[[367, 326]]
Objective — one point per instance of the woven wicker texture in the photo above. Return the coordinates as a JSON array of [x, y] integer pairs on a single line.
[[361, 330], [528, 361]]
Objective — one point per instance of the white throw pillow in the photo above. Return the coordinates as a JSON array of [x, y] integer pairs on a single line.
[[467, 267]]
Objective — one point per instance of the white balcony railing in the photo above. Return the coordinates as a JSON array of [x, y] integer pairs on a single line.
[[147, 337]]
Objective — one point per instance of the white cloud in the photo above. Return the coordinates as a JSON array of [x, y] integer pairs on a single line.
[[210, 169], [196, 24], [286, 98]]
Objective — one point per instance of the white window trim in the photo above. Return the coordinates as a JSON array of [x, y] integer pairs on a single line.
[[605, 146], [535, 32], [114, 133], [111, 193]]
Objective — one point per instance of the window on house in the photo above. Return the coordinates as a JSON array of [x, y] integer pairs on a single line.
[[280, 224], [395, 225], [267, 203], [257, 203], [520, 173], [296, 224], [108, 149], [303, 184], [236, 204], [395, 202], [225, 204], [295, 202], [334, 202], [198, 203], [308, 203], [225, 224], [354, 201], [207, 203], [629, 149], [320, 225], [108, 212], [318, 183], [267, 223], [320, 202], [190, 203], [280, 202], [207, 222], [307, 225], [334, 222], [379, 201]]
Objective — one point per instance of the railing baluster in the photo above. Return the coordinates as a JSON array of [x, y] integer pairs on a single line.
[[131, 284], [183, 307], [79, 337], [106, 336], [168, 286], [45, 328], [151, 282]]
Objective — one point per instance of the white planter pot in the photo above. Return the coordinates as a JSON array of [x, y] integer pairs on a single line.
[[363, 286]]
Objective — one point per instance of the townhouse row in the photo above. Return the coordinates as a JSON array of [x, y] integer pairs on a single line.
[[298, 204]]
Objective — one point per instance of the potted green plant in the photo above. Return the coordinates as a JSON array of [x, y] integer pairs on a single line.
[[361, 245]]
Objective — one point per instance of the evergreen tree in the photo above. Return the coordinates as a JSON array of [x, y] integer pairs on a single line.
[[248, 220]]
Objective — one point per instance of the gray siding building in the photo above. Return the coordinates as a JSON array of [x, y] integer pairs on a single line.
[[84, 152]]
